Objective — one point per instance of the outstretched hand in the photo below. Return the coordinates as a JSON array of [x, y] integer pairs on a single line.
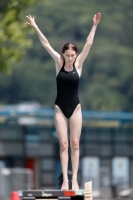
[[96, 18], [31, 21]]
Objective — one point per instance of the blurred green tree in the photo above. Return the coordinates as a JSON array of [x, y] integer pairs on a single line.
[[106, 82], [13, 31]]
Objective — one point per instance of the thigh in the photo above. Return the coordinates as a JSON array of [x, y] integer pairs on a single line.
[[76, 123], [60, 124]]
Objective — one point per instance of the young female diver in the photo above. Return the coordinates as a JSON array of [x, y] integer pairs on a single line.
[[67, 105]]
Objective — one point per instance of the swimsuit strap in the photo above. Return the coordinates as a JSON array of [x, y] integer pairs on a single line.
[[63, 67], [74, 66]]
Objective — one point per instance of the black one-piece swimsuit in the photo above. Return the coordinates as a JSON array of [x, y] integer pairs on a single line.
[[67, 91]]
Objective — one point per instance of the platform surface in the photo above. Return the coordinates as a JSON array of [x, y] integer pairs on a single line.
[[50, 193]]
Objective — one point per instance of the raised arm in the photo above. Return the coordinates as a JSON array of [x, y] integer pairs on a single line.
[[43, 39], [89, 41]]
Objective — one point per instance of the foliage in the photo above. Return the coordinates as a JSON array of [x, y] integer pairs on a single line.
[[106, 82], [12, 32]]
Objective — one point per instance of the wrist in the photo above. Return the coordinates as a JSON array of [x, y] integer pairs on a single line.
[[95, 25], [35, 27]]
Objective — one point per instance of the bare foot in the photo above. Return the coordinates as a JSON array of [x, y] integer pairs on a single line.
[[65, 184], [75, 185]]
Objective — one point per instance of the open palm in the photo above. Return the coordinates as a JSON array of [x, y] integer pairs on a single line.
[[31, 21]]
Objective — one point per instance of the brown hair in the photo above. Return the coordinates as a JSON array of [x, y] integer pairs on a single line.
[[69, 46]]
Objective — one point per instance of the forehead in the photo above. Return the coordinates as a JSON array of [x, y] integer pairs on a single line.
[[69, 51]]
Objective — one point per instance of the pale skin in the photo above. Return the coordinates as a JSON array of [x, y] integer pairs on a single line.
[[61, 123]]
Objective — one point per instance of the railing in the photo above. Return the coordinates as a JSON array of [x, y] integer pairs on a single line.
[[13, 180]]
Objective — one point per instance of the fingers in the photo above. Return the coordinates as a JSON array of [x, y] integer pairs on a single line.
[[29, 17], [97, 18], [98, 15], [31, 20], [27, 23]]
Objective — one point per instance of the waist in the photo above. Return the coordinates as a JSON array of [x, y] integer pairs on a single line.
[[67, 98]]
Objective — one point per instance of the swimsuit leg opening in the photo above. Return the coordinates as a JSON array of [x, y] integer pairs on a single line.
[[75, 109], [61, 111]]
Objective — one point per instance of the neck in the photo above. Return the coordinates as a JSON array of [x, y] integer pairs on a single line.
[[68, 65]]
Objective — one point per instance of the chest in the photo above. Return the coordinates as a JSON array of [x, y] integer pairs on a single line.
[[68, 77]]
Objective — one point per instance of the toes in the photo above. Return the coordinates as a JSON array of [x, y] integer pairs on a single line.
[[64, 185], [75, 185]]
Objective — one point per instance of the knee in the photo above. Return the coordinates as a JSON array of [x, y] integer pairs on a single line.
[[63, 145], [75, 145]]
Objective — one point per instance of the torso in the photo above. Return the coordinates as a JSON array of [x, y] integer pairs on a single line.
[[67, 90]]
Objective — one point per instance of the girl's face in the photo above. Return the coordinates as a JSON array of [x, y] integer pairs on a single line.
[[70, 56]]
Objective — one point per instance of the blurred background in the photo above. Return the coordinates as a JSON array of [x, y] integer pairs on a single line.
[[29, 149]]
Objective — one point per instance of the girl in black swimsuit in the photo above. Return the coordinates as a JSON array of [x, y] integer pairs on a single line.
[[68, 71], [67, 90]]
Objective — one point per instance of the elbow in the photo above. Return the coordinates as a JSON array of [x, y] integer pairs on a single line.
[[89, 43], [44, 43]]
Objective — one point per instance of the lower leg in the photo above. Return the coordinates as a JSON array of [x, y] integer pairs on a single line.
[[75, 158], [64, 164], [75, 163], [64, 158]]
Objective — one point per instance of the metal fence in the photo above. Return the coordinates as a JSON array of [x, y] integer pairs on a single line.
[[13, 180]]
